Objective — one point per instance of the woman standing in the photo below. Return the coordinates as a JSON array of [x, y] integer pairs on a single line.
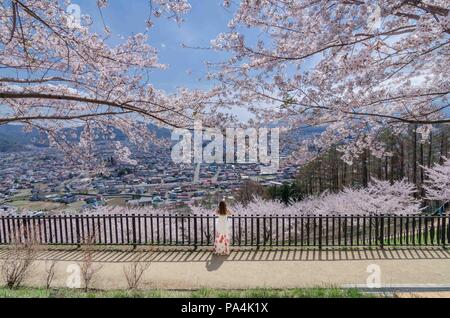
[[222, 240]]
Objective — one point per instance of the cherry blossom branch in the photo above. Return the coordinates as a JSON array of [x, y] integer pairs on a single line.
[[59, 117], [14, 95]]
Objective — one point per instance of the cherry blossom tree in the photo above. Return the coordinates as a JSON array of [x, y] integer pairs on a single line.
[[356, 67], [437, 184], [379, 198], [58, 73]]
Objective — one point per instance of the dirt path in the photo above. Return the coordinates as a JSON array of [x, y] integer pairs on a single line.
[[254, 269]]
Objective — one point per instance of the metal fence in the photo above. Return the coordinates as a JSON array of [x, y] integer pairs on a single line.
[[257, 231]]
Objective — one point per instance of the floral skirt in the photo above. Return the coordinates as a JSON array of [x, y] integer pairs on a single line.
[[222, 245]]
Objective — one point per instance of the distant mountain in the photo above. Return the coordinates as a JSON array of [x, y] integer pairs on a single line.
[[306, 132], [14, 139], [160, 132]]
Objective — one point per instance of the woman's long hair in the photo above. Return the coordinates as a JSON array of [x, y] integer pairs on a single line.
[[222, 208]]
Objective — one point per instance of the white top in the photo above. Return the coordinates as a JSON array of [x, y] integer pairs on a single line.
[[222, 226]]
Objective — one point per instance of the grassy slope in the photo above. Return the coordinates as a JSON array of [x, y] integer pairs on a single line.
[[203, 293]]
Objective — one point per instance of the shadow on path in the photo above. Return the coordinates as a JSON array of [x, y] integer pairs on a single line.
[[214, 262]]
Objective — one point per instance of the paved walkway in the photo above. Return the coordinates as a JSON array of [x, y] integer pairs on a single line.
[[257, 269], [423, 295]]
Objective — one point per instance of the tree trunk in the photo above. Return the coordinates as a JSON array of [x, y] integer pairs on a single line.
[[443, 146], [402, 159], [430, 151], [414, 156], [421, 170], [364, 174]]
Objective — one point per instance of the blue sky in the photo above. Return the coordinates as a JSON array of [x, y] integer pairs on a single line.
[[203, 23]]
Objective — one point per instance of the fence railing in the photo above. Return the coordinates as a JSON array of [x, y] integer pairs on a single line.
[[258, 231]]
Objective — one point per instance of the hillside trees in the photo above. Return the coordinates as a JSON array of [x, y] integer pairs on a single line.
[[328, 171]]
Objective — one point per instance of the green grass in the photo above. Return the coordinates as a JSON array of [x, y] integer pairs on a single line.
[[201, 293]]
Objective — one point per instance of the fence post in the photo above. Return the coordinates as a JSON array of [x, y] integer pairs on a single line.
[[320, 231], [195, 232], [133, 229], [257, 232], [77, 225], [1, 226], [444, 230], [382, 232], [25, 229]]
